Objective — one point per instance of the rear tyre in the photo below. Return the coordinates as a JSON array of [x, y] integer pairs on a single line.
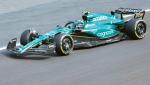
[[64, 44], [28, 36], [136, 29]]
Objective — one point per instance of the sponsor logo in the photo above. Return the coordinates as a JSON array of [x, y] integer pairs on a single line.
[[103, 34], [101, 18], [90, 25]]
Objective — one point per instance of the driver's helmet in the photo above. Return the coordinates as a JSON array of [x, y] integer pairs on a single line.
[[80, 25]]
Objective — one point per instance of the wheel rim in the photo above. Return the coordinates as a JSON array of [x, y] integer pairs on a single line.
[[33, 36], [66, 45], [140, 30]]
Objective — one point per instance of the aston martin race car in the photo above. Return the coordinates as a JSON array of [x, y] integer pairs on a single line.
[[92, 30]]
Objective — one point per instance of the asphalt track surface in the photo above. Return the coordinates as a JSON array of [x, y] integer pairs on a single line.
[[7, 6], [122, 63]]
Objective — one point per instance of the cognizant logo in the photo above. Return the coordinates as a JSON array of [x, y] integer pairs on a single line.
[[103, 34]]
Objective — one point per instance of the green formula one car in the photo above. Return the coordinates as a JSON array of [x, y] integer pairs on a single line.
[[94, 29]]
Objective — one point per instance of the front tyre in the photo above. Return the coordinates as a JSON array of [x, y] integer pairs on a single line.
[[136, 29], [63, 44], [28, 36]]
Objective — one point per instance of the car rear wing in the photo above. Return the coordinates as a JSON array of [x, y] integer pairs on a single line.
[[138, 13]]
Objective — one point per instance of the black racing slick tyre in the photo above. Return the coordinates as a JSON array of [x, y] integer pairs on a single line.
[[136, 29], [28, 36], [63, 44]]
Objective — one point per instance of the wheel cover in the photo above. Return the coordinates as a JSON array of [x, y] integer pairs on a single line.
[[33, 36], [141, 29], [67, 45]]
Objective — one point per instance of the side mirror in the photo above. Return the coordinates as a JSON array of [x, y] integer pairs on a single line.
[[59, 26]]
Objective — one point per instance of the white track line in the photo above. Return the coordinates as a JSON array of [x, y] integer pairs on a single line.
[[147, 10], [4, 47]]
